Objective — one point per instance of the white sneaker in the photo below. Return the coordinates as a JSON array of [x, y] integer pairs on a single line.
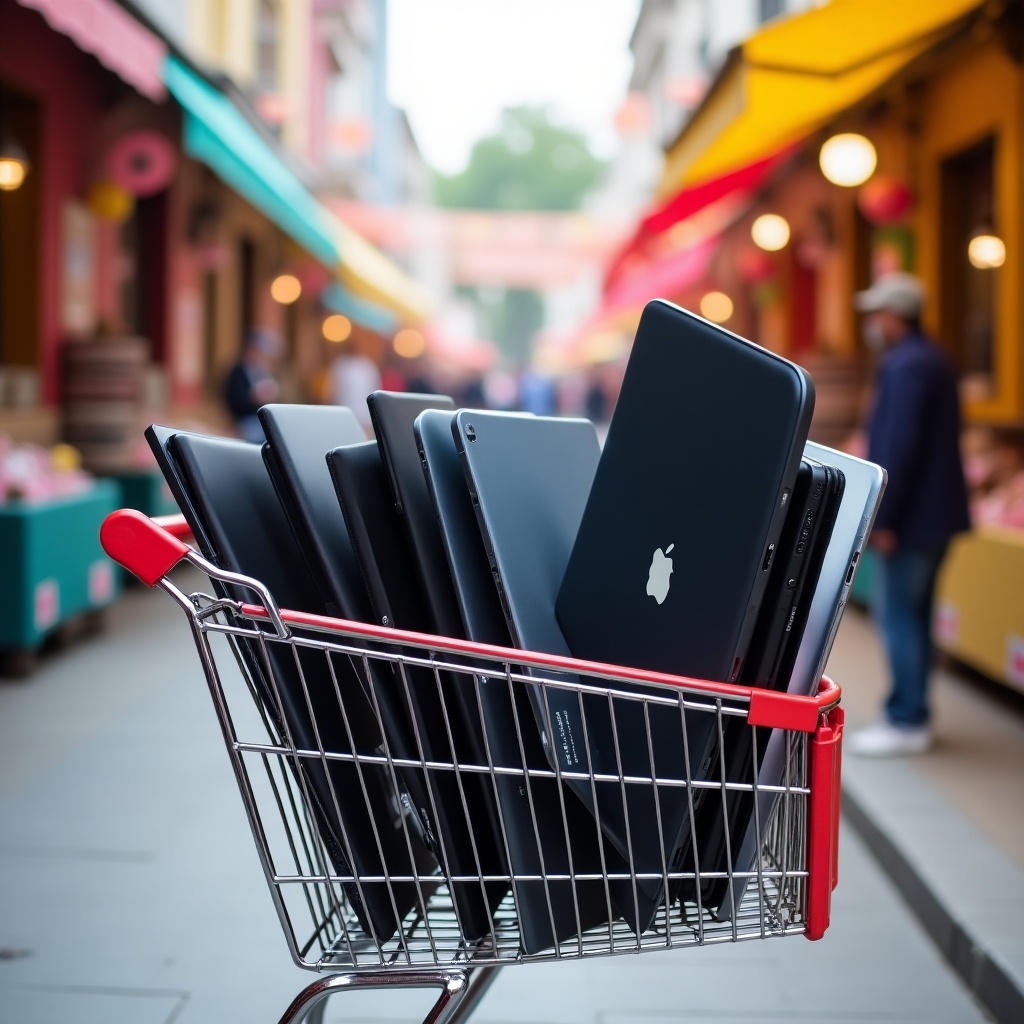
[[888, 740]]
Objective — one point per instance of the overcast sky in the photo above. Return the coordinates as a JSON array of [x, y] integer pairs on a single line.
[[455, 64]]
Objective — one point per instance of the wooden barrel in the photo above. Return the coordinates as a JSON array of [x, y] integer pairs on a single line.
[[102, 388]]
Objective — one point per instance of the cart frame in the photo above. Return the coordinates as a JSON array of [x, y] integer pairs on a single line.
[[786, 891]]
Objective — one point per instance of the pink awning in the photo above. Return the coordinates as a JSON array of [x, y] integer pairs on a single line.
[[107, 31], [661, 278]]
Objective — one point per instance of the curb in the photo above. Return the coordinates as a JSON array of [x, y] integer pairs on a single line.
[[966, 953]]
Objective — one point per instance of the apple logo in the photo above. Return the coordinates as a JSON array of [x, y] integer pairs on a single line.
[[658, 581]]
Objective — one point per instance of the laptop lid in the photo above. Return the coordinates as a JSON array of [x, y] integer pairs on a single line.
[[249, 533], [393, 414], [298, 439], [679, 532]]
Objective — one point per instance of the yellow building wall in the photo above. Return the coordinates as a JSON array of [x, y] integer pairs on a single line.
[[979, 94], [222, 34]]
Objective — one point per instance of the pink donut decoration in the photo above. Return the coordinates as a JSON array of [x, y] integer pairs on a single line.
[[142, 162]]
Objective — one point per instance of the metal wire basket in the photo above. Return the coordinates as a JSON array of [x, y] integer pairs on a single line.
[[416, 826]]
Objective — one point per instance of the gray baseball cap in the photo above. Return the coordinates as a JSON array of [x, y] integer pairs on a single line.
[[897, 293]]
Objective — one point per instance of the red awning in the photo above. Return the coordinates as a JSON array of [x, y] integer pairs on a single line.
[[107, 31], [691, 201], [661, 278]]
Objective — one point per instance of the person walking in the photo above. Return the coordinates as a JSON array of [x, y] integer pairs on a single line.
[[914, 434], [250, 382]]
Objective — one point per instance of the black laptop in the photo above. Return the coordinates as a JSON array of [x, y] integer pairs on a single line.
[[242, 527]]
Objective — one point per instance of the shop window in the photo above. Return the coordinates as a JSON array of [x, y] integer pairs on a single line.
[[967, 299], [267, 36]]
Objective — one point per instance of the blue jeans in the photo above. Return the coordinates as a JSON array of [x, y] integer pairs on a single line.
[[904, 592]]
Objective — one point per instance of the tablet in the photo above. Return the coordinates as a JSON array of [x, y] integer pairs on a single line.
[[530, 819], [459, 808], [528, 479], [298, 439], [393, 414]]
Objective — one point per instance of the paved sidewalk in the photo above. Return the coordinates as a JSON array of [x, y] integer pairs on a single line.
[[948, 827], [130, 892]]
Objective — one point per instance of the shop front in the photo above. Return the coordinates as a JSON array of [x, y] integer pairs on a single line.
[[897, 146]]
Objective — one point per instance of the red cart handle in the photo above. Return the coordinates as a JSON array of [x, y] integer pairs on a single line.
[[825, 756], [147, 547]]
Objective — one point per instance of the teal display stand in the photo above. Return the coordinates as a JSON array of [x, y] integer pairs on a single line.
[[52, 567], [147, 491]]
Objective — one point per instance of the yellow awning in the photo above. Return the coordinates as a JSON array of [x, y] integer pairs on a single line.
[[796, 74], [368, 273]]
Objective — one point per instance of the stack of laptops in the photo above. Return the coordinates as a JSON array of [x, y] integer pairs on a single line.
[[707, 539]]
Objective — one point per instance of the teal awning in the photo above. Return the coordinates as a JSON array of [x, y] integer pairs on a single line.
[[217, 133], [339, 299]]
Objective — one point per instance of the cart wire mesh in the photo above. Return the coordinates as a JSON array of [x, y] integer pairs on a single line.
[[391, 838]]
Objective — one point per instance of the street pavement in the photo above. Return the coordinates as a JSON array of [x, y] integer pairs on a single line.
[[130, 891]]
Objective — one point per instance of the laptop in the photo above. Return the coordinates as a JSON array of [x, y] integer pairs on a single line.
[[456, 807], [675, 546], [243, 528], [805, 536], [864, 484], [862, 495], [534, 822], [529, 477]]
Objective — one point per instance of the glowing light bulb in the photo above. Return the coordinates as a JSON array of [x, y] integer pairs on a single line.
[[337, 328], [986, 252], [848, 159], [716, 307], [770, 232], [285, 289], [409, 343]]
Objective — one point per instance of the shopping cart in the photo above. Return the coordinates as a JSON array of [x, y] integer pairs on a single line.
[[322, 785]]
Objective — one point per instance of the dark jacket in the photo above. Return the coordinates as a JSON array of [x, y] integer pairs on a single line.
[[914, 434]]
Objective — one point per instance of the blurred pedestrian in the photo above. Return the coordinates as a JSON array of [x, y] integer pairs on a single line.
[[250, 383], [914, 434]]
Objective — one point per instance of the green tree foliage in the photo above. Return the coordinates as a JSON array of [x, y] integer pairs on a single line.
[[531, 163]]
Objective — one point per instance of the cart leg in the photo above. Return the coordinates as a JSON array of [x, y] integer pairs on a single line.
[[308, 1006], [481, 979]]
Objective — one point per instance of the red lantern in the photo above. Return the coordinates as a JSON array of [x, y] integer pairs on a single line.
[[755, 265], [884, 200], [142, 162]]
